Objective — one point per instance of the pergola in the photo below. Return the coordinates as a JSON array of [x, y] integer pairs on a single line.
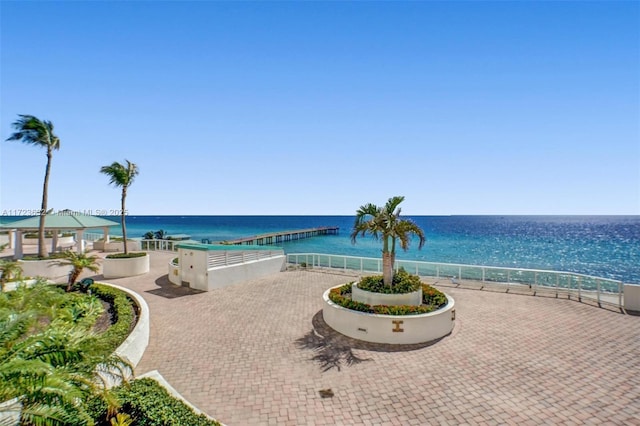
[[68, 221]]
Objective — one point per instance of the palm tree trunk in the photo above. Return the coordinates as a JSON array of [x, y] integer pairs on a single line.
[[42, 248], [122, 215], [387, 268]]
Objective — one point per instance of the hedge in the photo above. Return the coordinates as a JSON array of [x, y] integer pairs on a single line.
[[123, 312], [149, 404]]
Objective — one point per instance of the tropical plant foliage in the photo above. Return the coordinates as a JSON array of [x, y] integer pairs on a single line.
[[50, 360], [33, 131], [79, 262], [432, 299], [9, 270], [122, 176], [384, 223]]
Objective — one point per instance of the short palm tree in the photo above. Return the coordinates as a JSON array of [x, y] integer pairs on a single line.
[[122, 176], [79, 262], [52, 373], [9, 270], [33, 131], [385, 223]]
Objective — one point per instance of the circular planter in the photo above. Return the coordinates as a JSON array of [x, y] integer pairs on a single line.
[[116, 246], [126, 267], [391, 329], [45, 268], [370, 298]]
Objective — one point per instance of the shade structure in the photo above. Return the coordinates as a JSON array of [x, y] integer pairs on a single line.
[[65, 220]]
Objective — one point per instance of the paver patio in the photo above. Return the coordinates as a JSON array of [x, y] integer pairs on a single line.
[[243, 354]]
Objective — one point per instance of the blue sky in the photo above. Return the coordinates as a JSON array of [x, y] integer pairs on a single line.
[[319, 107]]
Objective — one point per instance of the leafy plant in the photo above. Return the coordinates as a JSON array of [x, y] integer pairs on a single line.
[[433, 300], [9, 270], [53, 367], [403, 282], [149, 404], [79, 262], [123, 316], [149, 235]]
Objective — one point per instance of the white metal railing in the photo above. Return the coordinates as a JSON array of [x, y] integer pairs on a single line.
[[160, 245], [234, 257], [92, 236], [603, 290]]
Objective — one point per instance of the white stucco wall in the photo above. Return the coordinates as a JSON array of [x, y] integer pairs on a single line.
[[228, 275], [193, 268], [128, 267], [174, 274], [632, 297], [45, 268]]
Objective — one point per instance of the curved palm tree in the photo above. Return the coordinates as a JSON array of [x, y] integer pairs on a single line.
[[122, 176], [79, 262], [33, 131], [385, 223]]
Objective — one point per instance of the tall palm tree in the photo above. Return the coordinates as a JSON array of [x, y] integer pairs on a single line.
[[33, 131], [123, 177], [79, 262], [385, 223]]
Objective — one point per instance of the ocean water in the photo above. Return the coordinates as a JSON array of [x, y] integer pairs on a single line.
[[604, 246]]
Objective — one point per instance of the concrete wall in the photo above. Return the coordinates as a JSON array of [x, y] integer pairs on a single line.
[[380, 328], [174, 274], [193, 268], [371, 298], [127, 267], [116, 246], [228, 275], [632, 297], [45, 268]]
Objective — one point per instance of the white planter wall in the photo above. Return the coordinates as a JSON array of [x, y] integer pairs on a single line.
[[371, 298], [632, 297], [116, 246], [127, 267], [45, 268], [380, 328]]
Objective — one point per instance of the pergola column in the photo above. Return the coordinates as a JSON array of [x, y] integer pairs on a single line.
[[12, 238], [80, 240], [17, 253], [105, 231], [54, 241]]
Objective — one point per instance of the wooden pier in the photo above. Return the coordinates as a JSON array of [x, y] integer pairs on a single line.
[[283, 236]]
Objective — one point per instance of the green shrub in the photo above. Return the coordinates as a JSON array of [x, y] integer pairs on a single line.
[[126, 255], [149, 404], [52, 256], [432, 300], [176, 261], [123, 315], [403, 282]]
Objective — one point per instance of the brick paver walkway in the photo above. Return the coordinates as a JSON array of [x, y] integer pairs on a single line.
[[244, 355]]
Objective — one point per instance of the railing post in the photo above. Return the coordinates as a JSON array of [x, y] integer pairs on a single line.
[[361, 264], [416, 268], [620, 290], [483, 275], [579, 289], [437, 271], [508, 279], [598, 291], [557, 284], [459, 272], [226, 258], [535, 281], [345, 263]]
